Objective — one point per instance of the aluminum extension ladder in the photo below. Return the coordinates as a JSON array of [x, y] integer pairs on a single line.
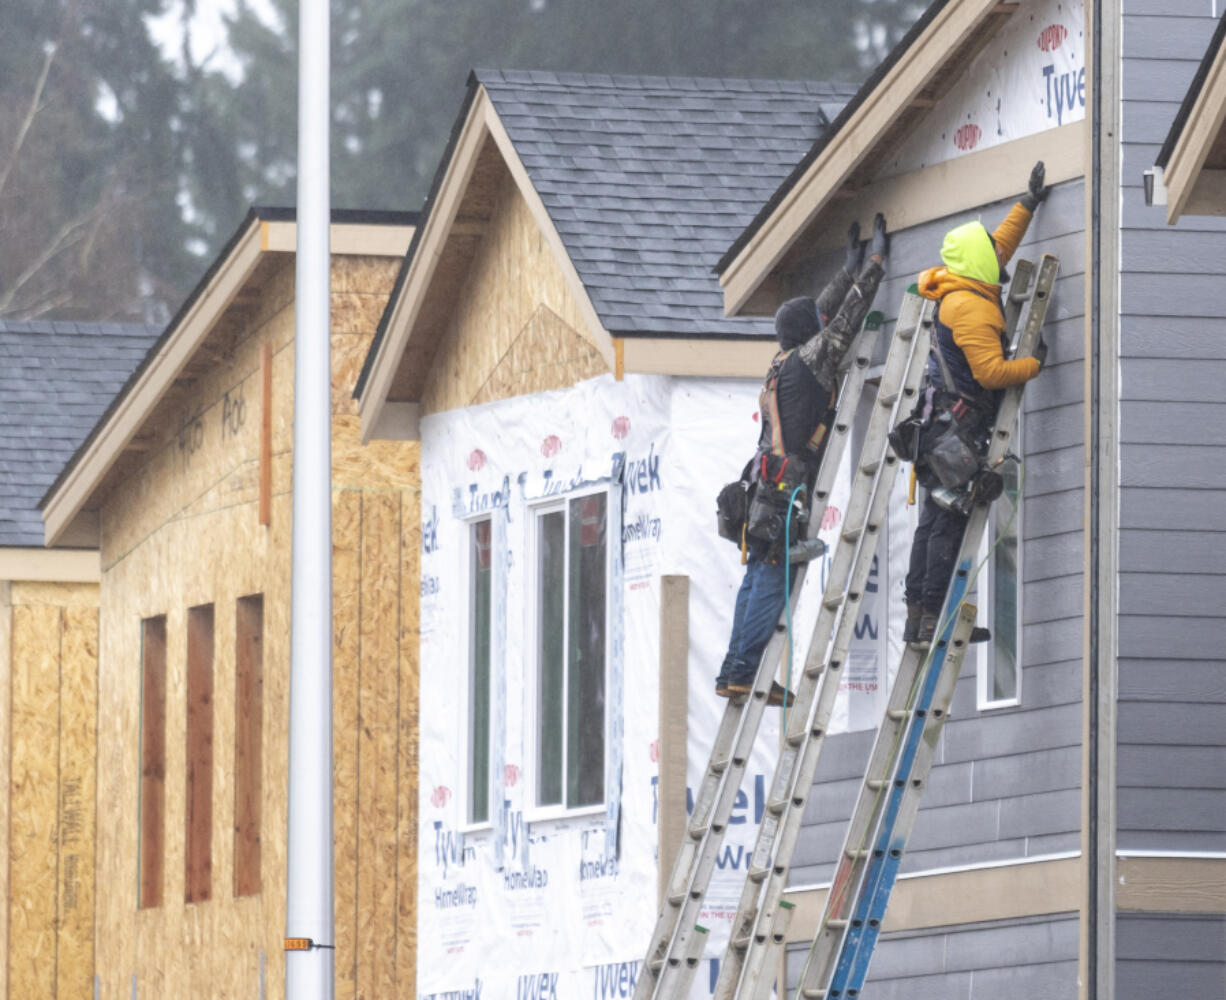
[[759, 927], [677, 941], [902, 755]]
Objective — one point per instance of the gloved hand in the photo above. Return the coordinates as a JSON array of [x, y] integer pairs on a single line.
[[879, 243], [855, 252], [1040, 352], [1037, 191]]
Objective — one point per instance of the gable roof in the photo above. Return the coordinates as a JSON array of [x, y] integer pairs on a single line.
[[893, 101], [1193, 156], [56, 379], [648, 178], [230, 283], [642, 180]]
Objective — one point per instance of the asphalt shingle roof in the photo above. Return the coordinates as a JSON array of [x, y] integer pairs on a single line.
[[649, 179], [56, 380]]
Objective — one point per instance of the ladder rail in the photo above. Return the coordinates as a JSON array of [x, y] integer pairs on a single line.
[[815, 696], [850, 924], [669, 947]]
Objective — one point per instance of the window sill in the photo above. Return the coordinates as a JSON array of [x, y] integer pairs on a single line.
[[548, 814], [992, 706], [486, 826]]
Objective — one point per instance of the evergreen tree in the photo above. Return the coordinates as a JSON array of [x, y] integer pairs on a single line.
[[89, 163]]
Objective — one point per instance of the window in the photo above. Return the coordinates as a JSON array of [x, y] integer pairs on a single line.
[[152, 759], [480, 587], [571, 636], [998, 663], [198, 819], [248, 741]]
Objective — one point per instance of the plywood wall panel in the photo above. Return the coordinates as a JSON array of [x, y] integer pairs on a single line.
[[346, 665], [34, 800], [512, 275], [77, 818], [378, 694], [406, 793], [6, 690]]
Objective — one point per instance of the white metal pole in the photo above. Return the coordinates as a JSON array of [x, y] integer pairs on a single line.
[[309, 957]]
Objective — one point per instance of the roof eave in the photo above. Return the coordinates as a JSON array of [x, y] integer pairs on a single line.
[[939, 36], [1192, 186]]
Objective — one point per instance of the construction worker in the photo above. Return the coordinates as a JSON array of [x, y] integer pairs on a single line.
[[796, 405], [968, 349]]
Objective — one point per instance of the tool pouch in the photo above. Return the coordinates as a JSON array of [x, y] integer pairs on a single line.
[[776, 479], [950, 452], [731, 510]]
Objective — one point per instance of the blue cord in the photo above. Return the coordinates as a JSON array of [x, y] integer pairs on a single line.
[[787, 591]]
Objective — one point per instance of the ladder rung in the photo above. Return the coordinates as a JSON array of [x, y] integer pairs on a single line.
[[887, 398], [655, 965], [836, 923], [870, 468], [816, 993], [742, 942], [852, 535], [857, 853], [756, 875], [876, 784], [897, 714]]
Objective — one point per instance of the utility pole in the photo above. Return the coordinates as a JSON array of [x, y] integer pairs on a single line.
[[309, 931]]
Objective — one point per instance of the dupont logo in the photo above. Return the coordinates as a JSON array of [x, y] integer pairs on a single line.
[[1052, 37], [510, 775], [440, 796], [967, 137], [551, 446], [653, 751], [476, 460], [621, 427], [831, 517]]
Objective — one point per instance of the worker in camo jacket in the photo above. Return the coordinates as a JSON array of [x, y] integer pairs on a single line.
[[768, 506], [968, 371]]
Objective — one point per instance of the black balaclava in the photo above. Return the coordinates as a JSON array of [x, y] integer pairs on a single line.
[[796, 321]]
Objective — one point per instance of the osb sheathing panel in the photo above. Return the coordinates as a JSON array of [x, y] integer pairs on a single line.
[[512, 277], [6, 691], [182, 530], [406, 796], [53, 635]]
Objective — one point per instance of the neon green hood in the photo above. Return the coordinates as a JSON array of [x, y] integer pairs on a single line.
[[968, 252]]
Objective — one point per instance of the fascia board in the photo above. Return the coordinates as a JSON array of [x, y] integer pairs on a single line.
[[347, 239], [138, 402], [847, 150], [1204, 124], [482, 121], [50, 565], [404, 310]]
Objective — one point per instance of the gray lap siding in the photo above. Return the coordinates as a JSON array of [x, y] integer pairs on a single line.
[[1171, 725], [1006, 782]]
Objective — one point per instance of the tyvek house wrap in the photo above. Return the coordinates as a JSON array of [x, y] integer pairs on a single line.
[[534, 906]]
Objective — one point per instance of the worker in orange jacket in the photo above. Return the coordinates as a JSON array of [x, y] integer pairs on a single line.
[[970, 350]]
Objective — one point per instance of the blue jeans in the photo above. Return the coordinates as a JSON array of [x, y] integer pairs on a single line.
[[758, 605]]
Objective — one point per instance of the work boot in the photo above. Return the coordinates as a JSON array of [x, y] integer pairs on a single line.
[[910, 631], [928, 628], [778, 695], [806, 550]]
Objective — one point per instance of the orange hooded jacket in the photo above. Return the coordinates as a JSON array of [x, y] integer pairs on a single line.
[[977, 322]]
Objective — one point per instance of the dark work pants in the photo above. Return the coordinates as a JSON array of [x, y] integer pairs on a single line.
[[758, 604], [933, 553]]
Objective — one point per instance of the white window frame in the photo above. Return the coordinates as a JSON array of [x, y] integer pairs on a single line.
[[985, 653], [532, 811], [465, 729]]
